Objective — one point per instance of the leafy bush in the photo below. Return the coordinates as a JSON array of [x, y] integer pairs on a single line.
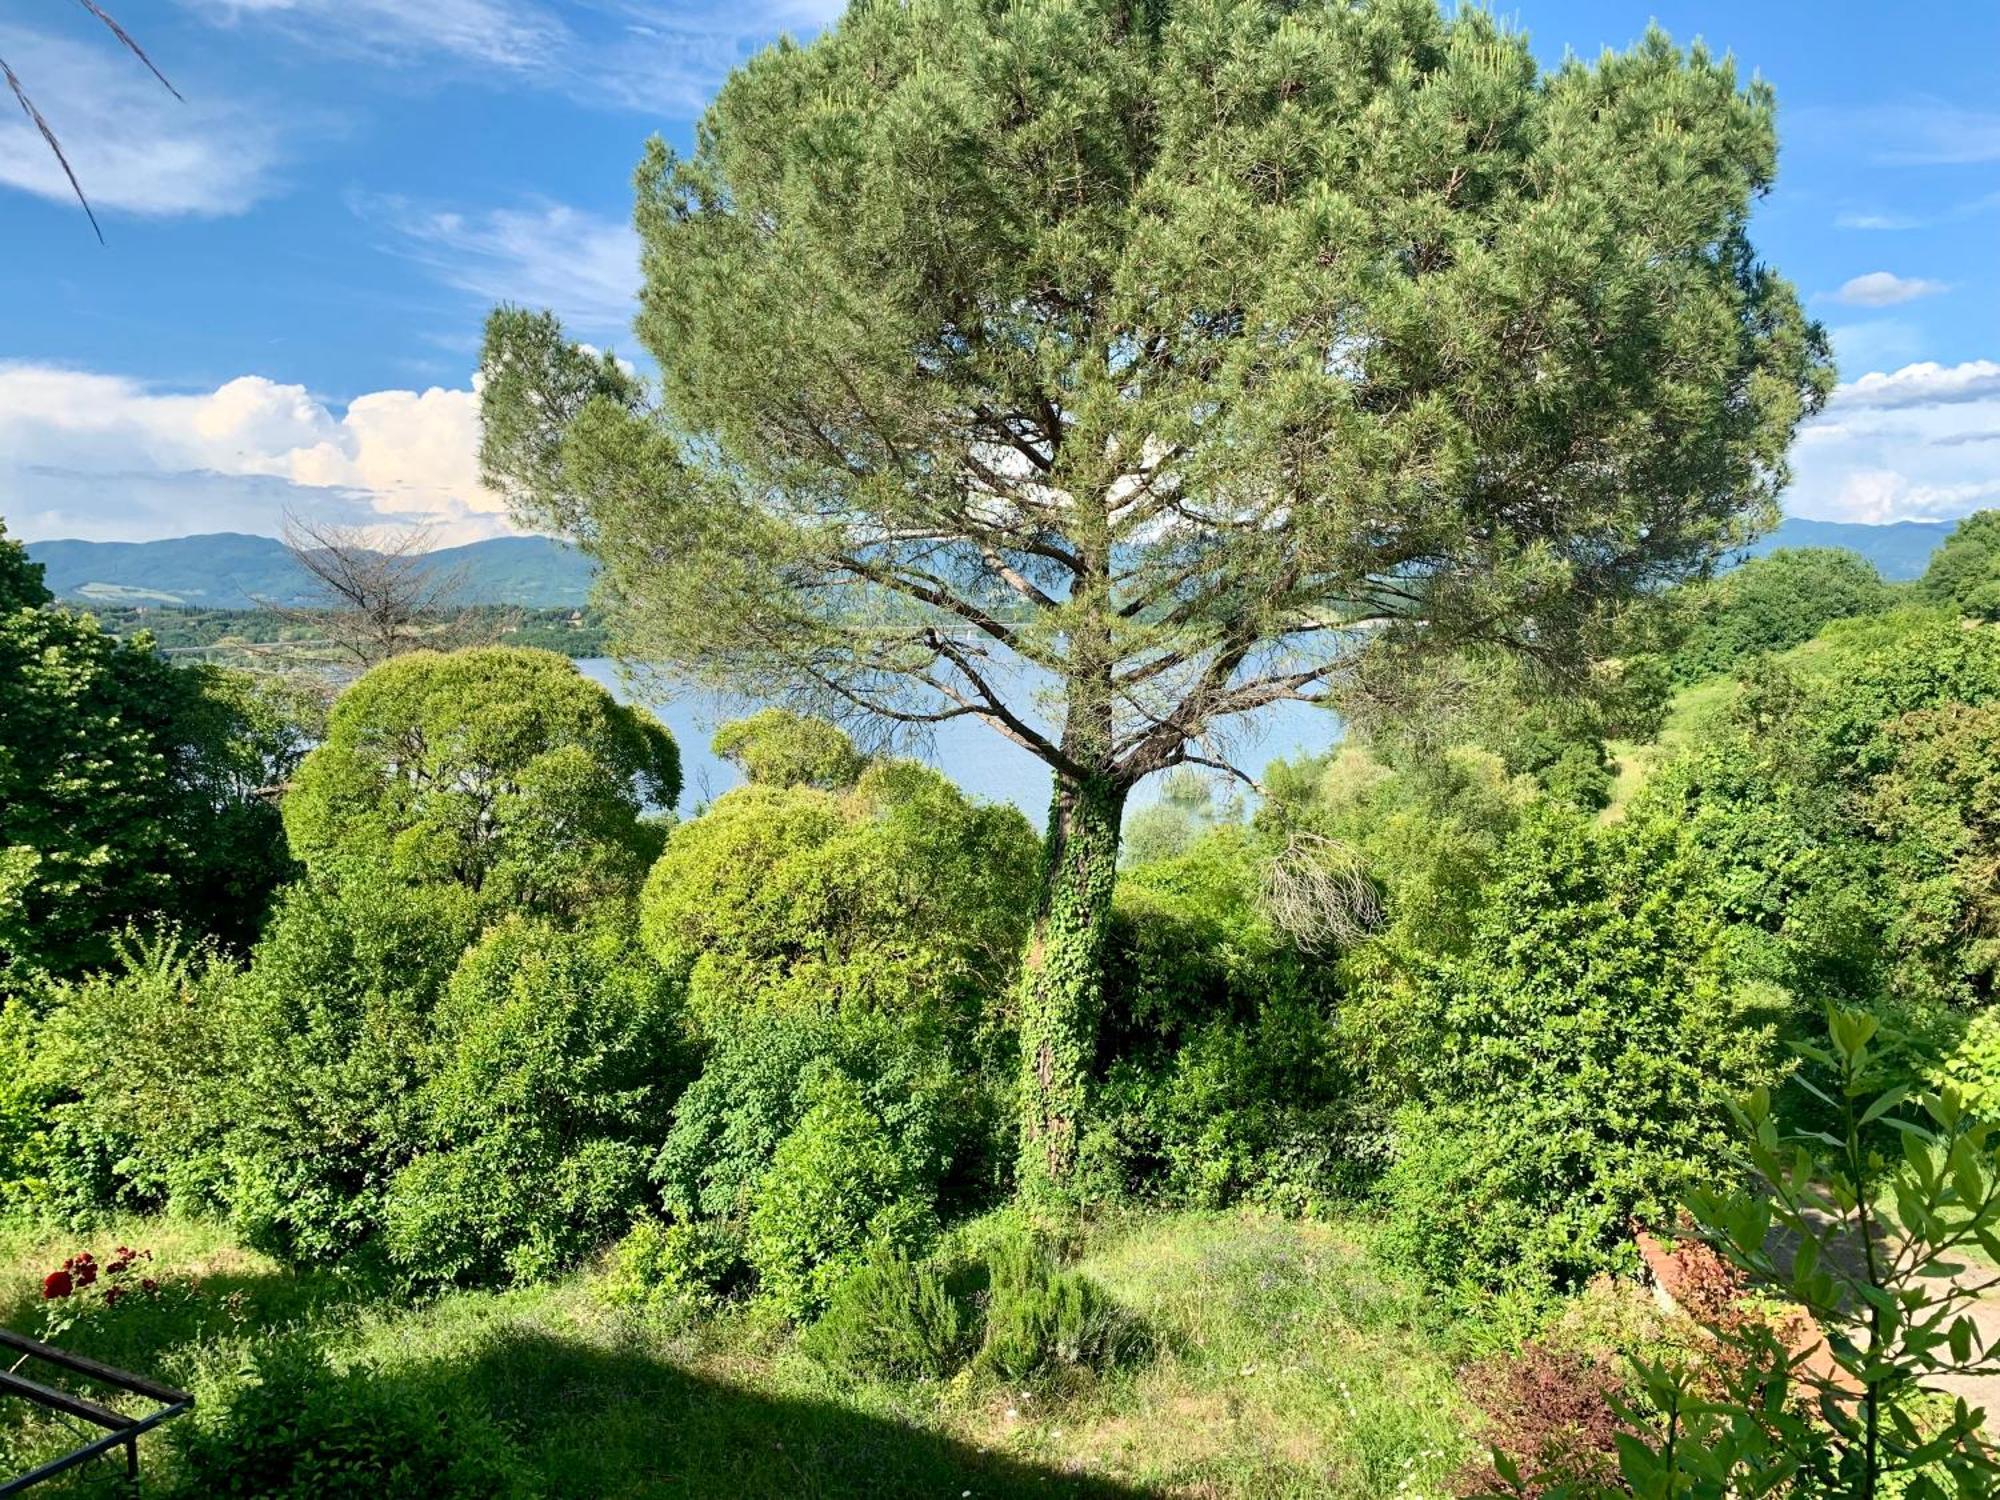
[[1964, 572], [891, 1318], [779, 748], [1573, 1066], [1044, 1320], [837, 1183], [900, 896], [333, 1046], [1220, 1078], [24, 1102], [125, 787], [138, 1065], [555, 1056], [291, 1427], [501, 770], [759, 1079], [680, 1269]]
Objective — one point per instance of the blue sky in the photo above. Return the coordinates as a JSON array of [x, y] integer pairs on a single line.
[[286, 311]]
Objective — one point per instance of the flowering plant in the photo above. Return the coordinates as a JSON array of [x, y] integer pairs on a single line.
[[82, 1283]]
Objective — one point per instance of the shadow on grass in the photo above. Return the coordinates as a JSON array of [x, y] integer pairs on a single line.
[[591, 1421]]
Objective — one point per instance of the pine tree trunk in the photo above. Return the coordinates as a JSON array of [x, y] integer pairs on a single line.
[[1063, 987]]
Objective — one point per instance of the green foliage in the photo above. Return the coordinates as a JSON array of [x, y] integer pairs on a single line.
[[1167, 829], [1964, 572], [1973, 1066], [901, 896], [500, 770], [757, 1082], [335, 1038], [779, 748], [1846, 802], [893, 1319], [1221, 1078], [292, 1427], [1771, 604], [1570, 1067], [1043, 1320], [678, 1270], [838, 1183], [1877, 1215], [137, 1065], [126, 787], [25, 1097], [554, 1056]]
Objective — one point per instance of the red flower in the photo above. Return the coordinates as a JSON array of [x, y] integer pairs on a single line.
[[86, 1271], [149, 1285], [112, 1294], [56, 1284]]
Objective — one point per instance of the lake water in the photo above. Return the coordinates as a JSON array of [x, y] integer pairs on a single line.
[[979, 759]]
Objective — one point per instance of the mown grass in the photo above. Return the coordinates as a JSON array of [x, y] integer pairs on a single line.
[[1281, 1362]]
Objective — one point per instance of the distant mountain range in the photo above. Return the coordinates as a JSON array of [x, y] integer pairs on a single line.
[[1900, 550], [230, 570]]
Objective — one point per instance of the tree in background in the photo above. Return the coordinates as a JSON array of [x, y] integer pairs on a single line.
[[1181, 358], [1774, 603], [377, 596], [1965, 570], [130, 788], [501, 770]]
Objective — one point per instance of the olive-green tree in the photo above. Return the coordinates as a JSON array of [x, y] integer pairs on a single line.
[[498, 769], [1104, 370]]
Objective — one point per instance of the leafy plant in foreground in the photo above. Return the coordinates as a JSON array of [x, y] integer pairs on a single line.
[[1863, 1226]]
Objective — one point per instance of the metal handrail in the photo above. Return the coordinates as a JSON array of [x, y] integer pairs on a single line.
[[122, 1430]]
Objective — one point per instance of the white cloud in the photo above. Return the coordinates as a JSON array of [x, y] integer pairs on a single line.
[[1886, 289], [94, 455], [498, 32], [1912, 444], [1925, 384], [133, 145], [1923, 133], [549, 255]]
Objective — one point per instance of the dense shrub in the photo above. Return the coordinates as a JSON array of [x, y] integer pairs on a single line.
[[334, 1043], [759, 1079], [1964, 572], [837, 1184], [1220, 1078], [500, 770], [1044, 1320], [1572, 1067], [291, 1427], [1846, 799], [554, 1058], [899, 895], [138, 1065], [675, 1269], [126, 787], [891, 1318]]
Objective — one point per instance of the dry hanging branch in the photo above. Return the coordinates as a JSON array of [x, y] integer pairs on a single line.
[[378, 596], [47, 132], [1317, 892]]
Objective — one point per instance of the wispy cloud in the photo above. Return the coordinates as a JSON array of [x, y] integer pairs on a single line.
[[135, 147], [1886, 289], [583, 265], [1924, 132], [1876, 221], [626, 54]]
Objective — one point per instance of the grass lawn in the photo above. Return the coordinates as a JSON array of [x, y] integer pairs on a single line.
[[1283, 1363]]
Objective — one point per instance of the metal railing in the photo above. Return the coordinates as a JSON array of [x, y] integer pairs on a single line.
[[121, 1430]]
